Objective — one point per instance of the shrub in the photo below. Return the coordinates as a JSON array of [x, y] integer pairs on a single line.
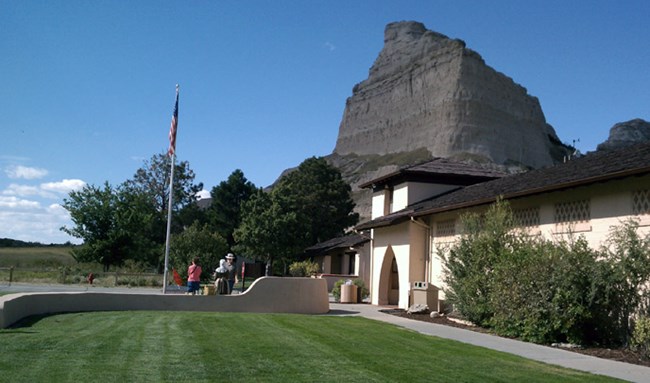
[[627, 269], [640, 340], [545, 291], [305, 268], [469, 265], [542, 292]]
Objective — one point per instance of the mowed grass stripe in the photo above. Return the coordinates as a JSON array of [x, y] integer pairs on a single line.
[[207, 347]]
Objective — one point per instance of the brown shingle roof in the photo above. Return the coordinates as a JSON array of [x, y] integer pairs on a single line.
[[595, 167], [439, 169], [343, 242]]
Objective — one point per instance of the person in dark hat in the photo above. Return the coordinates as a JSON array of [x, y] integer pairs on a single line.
[[231, 271]]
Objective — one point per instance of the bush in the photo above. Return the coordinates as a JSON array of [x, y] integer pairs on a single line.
[[469, 265], [640, 340], [545, 291], [542, 293], [305, 268]]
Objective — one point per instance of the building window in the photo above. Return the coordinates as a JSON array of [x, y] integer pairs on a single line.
[[446, 228], [572, 212], [528, 217], [641, 202], [572, 217]]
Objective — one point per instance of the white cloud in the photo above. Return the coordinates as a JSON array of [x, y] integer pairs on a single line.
[[329, 46], [19, 171], [21, 190], [28, 221], [13, 202], [63, 187]]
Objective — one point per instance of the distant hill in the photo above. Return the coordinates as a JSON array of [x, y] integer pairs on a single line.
[[8, 242]]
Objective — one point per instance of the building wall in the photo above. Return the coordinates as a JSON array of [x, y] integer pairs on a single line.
[[403, 195], [378, 201], [418, 249], [610, 204], [392, 240], [419, 191]]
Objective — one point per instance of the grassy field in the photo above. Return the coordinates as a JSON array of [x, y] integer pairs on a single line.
[[49, 256], [216, 347]]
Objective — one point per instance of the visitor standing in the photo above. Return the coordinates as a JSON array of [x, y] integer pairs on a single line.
[[221, 281], [232, 271], [194, 277]]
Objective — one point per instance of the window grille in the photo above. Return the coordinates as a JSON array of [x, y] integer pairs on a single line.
[[641, 202], [574, 211], [446, 228], [526, 217]]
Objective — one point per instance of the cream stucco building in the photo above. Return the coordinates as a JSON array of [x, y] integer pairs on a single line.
[[417, 210]]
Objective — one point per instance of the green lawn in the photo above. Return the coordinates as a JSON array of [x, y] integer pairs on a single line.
[[217, 347]]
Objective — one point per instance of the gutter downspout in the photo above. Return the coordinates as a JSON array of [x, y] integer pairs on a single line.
[[427, 246]]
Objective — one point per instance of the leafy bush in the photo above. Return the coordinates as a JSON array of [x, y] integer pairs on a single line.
[[541, 294], [544, 291], [469, 265], [305, 268], [640, 340]]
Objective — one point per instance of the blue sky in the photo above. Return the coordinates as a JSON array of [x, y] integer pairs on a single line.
[[88, 86]]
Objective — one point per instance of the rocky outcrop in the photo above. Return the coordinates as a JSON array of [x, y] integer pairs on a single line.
[[627, 133], [427, 91]]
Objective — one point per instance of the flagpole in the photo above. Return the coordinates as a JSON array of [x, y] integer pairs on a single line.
[[172, 153], [169, 223]]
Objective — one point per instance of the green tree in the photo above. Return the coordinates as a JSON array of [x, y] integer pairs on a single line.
[[264, 231], [224, 213], [197, 241], [110, 222], [308, 205], [153, 180], [321, 200]]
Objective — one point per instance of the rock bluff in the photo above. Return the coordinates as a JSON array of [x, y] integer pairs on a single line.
[[427, 91]]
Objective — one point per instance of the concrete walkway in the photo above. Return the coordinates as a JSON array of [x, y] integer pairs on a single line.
[[625, 371]]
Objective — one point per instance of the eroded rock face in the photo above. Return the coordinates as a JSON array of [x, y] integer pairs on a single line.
[[425, 90], [627, 133]]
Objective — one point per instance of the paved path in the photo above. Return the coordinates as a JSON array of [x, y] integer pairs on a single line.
[[625, 371]]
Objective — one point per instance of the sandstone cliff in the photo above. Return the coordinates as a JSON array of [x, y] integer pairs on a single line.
[[627, 133], [426, 91]]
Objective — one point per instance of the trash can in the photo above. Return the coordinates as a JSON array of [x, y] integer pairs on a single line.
[[209, 290], [425, 293], [348, 293]]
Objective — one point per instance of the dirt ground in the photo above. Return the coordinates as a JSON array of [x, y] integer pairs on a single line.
[[621, 355]]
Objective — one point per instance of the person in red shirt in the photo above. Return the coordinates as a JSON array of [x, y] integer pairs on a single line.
[[194, 277]]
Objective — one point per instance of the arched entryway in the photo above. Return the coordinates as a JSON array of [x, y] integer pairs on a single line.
[[389, 279]]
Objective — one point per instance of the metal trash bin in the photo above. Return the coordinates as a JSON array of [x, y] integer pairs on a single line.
[[425, 293], [348, 293]]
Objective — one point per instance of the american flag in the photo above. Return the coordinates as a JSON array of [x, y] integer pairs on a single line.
[[172, 129]]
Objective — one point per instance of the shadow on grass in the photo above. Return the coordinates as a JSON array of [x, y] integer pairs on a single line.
[[341, 312]]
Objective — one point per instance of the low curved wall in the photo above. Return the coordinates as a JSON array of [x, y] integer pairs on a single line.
[[265, 295]]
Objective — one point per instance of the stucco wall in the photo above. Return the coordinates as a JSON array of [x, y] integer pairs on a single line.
[[265, 295], [610, 205]]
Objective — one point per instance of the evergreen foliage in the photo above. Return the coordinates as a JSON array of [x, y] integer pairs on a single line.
[[224, 213]]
